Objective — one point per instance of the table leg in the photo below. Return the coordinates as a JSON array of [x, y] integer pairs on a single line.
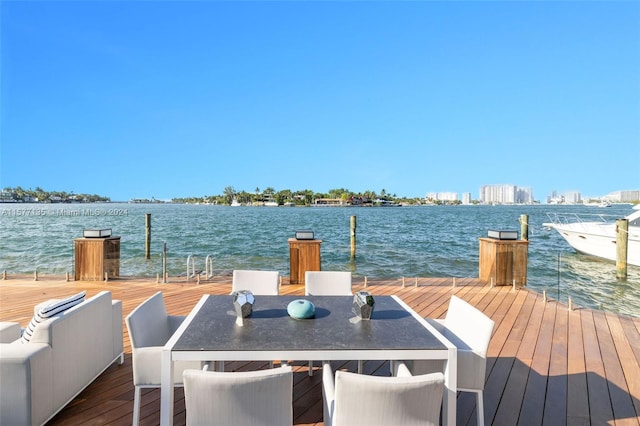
[[166, 390], [450, 382]]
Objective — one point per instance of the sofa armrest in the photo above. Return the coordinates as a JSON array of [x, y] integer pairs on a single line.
[[27, 381], [9, 332]]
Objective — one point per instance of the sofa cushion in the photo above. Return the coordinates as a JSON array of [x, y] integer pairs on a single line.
[[51, 310]]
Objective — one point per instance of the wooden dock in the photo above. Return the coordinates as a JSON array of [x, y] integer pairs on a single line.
[[546, 364]]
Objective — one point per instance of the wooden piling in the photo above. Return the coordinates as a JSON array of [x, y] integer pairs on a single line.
[[352, 228], [165, 274], [524, 227], [147, 227], [622, 241]]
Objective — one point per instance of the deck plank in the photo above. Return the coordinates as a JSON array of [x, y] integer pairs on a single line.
[[512, 396], [555, 406], [618, 390], [577, 392], [545, 364], [535, 393], [600, 408]]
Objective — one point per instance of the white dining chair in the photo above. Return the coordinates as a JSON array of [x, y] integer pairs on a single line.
[[359, 399], [247, 398], [328, 283], [149, 328], [469, 329], [260, 283]]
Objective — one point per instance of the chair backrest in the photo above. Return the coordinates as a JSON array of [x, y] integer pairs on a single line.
[[362, 399], [265, 283], [262, 397], [148, 324], [327, 283], [469, 324]]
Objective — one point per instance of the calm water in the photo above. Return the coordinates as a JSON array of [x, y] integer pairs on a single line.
[[438, 241]]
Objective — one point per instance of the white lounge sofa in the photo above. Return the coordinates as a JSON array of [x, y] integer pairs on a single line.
[[64, 355]]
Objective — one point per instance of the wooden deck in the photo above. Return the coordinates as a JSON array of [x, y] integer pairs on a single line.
[[546, 365]]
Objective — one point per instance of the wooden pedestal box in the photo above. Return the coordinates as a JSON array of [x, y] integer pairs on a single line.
[[504, 261], [95, 257], [305, 256]]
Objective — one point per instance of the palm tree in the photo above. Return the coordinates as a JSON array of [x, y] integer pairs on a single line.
[[229, 193]]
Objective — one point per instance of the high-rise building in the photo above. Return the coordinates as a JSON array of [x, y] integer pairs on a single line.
[[624, 196], [442, 196], [505, 194], [572, 197]]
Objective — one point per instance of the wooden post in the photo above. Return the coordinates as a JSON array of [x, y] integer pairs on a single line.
[[165, 274], [353, 236], [524, 227], [147, 227], [622, 240]]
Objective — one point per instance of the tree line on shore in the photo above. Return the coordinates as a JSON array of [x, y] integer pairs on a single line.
[[39, 195], [303, 197]]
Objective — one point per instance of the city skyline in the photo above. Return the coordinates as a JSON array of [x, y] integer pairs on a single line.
[[495, 193]]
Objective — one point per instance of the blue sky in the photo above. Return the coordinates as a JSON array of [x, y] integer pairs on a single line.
[[173, 99]]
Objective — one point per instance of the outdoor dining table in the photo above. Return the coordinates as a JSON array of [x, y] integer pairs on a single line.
[[212, 333]]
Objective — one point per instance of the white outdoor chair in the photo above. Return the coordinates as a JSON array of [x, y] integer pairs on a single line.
[[358, 399], [260, 283], [328, 283], [149, 329], [469, 329], [262, 397]]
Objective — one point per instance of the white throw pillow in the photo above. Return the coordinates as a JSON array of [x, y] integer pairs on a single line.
[[50, 310]]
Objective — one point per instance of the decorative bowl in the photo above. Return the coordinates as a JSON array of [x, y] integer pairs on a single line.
[[301, 309]]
